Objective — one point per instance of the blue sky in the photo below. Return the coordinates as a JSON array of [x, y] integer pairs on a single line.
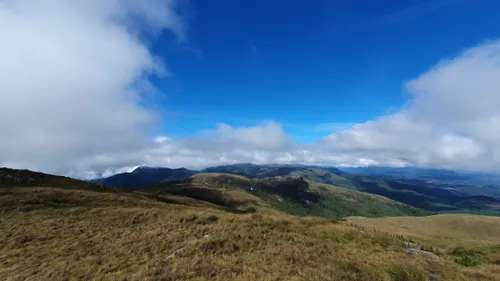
[[89, 88], [304, 63]]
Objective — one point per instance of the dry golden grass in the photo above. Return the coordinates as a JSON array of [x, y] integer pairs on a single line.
[[106, 236], [468, 240], [442, 230]]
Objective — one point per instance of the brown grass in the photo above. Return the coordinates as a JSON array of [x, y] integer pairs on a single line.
[[468, 240], [105, 236], [442, 230]]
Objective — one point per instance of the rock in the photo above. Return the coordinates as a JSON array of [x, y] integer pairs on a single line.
[[416, 249], [173, 255], [409, 245], [421, 252]]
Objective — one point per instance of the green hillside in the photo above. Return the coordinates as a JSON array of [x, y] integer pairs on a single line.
[[428, 197], [292, 195]]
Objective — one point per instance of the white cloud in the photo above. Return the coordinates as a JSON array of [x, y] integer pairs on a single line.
[[69, 78], [452, 120], [73, 76], [261, 144]]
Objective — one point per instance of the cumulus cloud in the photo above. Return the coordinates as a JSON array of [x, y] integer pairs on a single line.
[[260, 144], [452, 120], [74, 74], [72, 78]]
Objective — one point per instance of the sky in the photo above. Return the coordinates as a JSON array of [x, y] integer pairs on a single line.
[[89, 88]]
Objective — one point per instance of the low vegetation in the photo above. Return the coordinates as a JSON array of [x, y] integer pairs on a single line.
[[468, 240], [125, 236], [445, 230], [417, 194], [292, 195], [78, 231], [435, 196]]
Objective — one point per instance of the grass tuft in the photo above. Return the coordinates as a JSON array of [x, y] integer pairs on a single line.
[[407, 272]]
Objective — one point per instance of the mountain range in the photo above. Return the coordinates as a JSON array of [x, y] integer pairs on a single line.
[[230, 192], [143, 177], [411, 191], [473, 183]]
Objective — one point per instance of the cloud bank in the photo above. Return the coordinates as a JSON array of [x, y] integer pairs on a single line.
[[72, 79], [74, 74], [452, 121]]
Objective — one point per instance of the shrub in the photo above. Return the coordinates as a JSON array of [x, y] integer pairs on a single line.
[[467, 261], [467, 257]]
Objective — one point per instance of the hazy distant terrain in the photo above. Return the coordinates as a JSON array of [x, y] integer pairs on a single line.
[[472, 183]]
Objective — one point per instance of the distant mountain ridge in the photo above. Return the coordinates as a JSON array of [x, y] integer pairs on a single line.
[[418, 194], [143, 177], [26, 178], [263, 171], [234, 193], [472, 183]]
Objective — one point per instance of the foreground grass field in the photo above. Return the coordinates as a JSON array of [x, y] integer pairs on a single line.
[[61, 234], [442, 230], [469, 240]]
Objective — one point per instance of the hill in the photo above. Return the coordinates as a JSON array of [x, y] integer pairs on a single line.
[[471, 183], [431, 198], [133, 236], [421, 195], [145, 176], [27, 178], [265, 171], [293, 195]]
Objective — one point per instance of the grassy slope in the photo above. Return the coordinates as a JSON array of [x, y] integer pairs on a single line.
[[27, 178], [127, 236], [431, 198], [415, 193], [468, 240], [420, 195], [294, 196], [441, 229]]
